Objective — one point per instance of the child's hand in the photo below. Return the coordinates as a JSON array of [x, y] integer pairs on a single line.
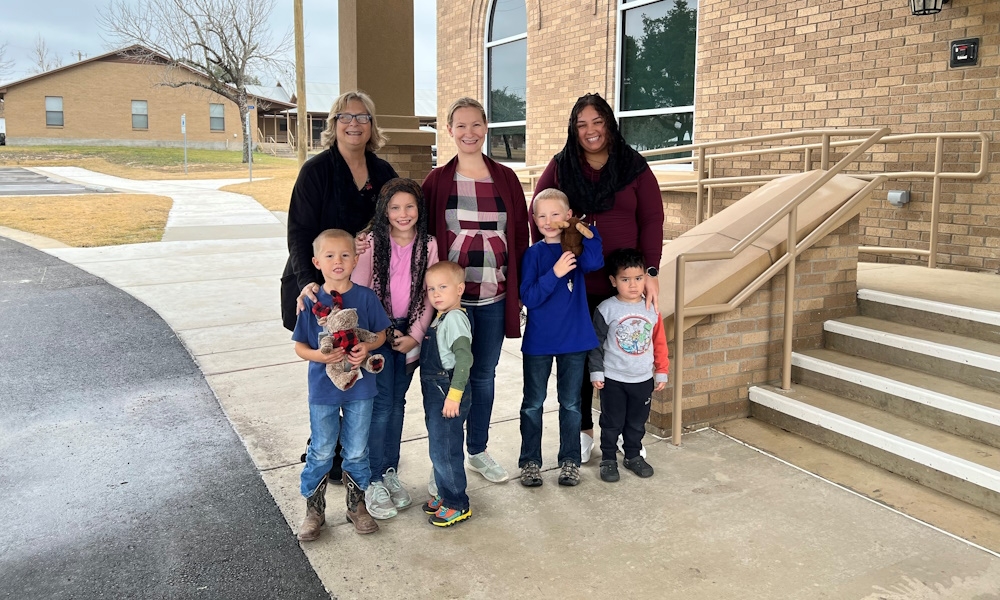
[[403, 343], [598, 385], [565, 264], [660, 386], [335, 356], [450, 409], [358, 354], [361, 243]]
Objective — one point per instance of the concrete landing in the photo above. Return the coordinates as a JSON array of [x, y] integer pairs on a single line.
[[964, 288]]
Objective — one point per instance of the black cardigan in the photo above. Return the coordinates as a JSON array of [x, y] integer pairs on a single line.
[[324, 197]]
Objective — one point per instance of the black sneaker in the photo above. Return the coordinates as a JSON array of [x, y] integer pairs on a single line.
[[531, 475], [609, 470], [569, 474], [639, 466]]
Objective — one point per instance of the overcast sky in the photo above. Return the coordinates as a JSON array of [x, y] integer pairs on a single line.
[[71, 26]]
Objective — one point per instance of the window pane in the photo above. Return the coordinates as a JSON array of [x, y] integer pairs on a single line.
[[140, 122], [658, 131], [139, 107], [508, 80], [53, 103], [509, 18], [658, 55], [507, 143], [54, 118], [216, 110], [217, 123]]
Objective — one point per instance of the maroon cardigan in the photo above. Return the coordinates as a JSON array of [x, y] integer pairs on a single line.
[[635, 221], [437, 187]]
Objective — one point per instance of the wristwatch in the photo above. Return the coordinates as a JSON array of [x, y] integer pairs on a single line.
[[652, 271]]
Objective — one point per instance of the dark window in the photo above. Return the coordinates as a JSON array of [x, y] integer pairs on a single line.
[[507, 75]]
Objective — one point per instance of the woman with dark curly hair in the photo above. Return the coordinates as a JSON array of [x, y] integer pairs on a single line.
[[394, 266], [610, 186]]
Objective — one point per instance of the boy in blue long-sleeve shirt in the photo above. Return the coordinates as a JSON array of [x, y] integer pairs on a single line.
[[559, 326]]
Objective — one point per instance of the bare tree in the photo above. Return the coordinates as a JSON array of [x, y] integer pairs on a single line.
[[6, 64], [217, 45], [42, 59]]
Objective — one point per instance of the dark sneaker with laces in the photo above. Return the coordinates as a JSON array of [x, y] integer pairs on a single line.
[[639, 466], [446, 517], [569, 474], [432, 505], [531, 475], [609, 470]]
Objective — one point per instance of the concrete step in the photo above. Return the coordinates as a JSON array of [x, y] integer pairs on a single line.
[[929, 399], [972, 361], [962, 468], [928, 314]]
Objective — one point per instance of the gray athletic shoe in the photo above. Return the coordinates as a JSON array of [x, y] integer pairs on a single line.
[[484, 464], [400, 497], [378, 502]]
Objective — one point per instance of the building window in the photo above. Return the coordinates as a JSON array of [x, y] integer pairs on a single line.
[[216, 117], [53, 111], [656, 60], [140, 114], [507, 79]]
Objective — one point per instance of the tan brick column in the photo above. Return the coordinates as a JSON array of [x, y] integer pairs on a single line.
[[376, 56]]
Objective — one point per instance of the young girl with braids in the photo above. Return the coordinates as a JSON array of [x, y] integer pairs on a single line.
[[394, 266]]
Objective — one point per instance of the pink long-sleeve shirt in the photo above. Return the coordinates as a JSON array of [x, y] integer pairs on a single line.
[[400, 278]]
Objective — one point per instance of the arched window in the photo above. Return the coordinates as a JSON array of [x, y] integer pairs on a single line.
[[656, 60], [507, 79]]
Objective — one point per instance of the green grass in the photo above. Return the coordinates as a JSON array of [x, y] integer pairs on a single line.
[[139, 157]]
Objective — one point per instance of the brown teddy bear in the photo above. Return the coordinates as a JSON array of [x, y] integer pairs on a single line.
[[573, 233], [342, 331]]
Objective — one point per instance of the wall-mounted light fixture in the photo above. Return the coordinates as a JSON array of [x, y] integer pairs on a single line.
[[927, 7]]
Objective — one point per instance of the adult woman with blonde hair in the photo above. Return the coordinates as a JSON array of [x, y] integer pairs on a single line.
[[479, 216], [335, 189]]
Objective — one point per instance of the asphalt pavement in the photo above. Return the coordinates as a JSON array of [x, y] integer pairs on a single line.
[[18, 181], [120, 476]]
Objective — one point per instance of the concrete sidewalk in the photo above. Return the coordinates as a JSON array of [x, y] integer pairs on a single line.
[[719, 520]]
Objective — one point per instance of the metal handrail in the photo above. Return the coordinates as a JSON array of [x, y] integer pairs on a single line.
[[787, 261]]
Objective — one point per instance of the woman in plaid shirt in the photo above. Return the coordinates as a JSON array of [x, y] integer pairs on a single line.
[[479, 215]]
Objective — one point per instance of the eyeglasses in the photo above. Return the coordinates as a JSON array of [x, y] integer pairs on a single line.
[[346, 118]]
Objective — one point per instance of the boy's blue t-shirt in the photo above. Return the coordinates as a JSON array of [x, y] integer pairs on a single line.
[[559, 320], [371, 316]]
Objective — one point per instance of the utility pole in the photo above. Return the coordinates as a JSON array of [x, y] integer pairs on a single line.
[[301, 128]]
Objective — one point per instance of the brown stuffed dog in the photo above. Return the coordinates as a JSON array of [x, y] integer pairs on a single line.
[[572, 235]]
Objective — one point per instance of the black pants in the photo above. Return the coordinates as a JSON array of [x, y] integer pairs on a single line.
[[624, 410], [587, 388]]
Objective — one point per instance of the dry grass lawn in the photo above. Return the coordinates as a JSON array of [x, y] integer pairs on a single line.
[[87, 220], [272, 193]]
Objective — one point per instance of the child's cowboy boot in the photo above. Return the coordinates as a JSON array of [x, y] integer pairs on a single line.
[[315, 514], [357, 512]]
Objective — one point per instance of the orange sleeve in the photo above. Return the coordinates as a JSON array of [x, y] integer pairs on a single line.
[[661, 358]]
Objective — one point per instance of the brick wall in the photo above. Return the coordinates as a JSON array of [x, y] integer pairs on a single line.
[[97, 108], [726, 354], [863, 63], [409, 161]]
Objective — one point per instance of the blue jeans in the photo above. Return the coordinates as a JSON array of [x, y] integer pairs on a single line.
[[445, 439], [487, 337], [325, 426], [386, 431], [569, 372]]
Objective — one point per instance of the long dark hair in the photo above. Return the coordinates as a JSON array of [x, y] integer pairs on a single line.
[[623, 166], [382, 248]]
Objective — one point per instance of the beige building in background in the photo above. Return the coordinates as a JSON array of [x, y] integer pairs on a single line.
[[679, 71], [116, 100]]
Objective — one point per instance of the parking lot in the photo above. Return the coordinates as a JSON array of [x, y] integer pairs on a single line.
[[18, 181]]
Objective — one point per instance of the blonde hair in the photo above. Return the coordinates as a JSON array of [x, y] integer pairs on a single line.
[[550, 194], [329, 136], [465, 102], [448, 268], [332, 234]]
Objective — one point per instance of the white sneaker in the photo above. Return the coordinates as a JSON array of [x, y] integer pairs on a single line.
[[484, 464], [621, 447], [400, 497], [432, 486], [586, 447], [378, 502]]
